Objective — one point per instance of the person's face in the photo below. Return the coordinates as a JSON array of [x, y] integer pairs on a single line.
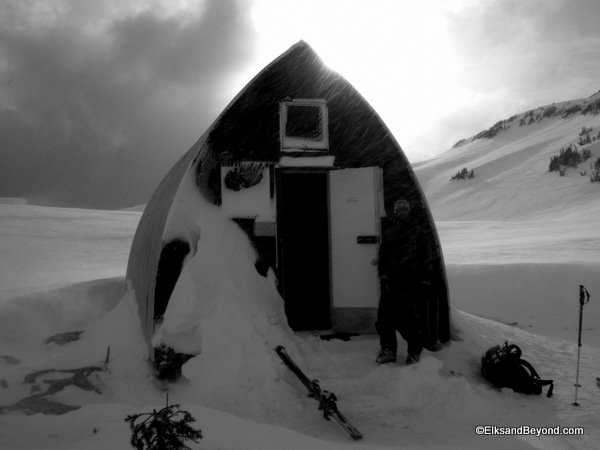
[[401, 211]]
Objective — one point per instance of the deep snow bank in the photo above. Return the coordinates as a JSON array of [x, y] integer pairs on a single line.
[[45, 248], [541, 298], [222, 310], [435, 404], [26, 320]]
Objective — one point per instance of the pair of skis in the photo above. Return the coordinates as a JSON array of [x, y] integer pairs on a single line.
[[327, 400]]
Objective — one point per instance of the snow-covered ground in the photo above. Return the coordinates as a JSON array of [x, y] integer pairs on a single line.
[[515, 260]]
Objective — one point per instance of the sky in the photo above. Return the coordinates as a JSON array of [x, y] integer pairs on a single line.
[[99, 98]]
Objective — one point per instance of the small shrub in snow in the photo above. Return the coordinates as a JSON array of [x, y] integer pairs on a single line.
[[166, 429], [592, 108], [584, 136], [568, 157], [168, 362], [493, 131], [459, 143], [595, 175], [463, 174], [549, 112], [586, 154], [571, 110]]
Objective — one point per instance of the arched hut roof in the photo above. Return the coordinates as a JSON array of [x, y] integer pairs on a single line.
[[248, 130]]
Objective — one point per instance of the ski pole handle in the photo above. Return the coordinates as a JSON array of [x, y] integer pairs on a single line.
[[584, 295]]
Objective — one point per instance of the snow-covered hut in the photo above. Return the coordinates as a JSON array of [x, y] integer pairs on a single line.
[[306, 168]]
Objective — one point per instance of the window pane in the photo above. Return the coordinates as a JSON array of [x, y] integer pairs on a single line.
[[304, 121]]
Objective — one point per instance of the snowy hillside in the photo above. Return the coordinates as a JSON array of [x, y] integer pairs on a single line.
[[546, 224], [511, 177], [518, 241]]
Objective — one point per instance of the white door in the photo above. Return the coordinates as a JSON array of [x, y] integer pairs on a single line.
[[356, 199]]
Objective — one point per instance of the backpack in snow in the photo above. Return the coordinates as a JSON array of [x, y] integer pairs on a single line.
[[503, 367]]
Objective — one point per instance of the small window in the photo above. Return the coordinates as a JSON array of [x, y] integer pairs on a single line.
[[304, 125]]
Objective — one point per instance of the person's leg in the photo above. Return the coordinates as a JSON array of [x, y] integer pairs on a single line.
[[410, 325], [386, 329]]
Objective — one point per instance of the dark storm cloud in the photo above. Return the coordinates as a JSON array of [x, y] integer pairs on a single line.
[[96, 106]]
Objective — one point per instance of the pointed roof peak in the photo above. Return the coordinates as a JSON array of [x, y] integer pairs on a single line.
[[299, 48], [301, 44]]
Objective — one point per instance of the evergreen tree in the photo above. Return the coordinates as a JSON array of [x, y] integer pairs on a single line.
[[166, 429]]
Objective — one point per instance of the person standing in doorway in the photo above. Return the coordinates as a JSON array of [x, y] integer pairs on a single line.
[[404, 273]]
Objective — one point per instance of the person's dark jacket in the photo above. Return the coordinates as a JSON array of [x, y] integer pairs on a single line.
[[404, 254]]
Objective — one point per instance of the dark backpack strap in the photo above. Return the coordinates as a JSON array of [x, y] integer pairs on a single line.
[[537, 378]]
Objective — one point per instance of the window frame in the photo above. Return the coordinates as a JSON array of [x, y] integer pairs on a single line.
[[294, 143]]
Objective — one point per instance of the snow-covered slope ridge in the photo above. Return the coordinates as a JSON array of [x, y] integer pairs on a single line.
[[510, 163]]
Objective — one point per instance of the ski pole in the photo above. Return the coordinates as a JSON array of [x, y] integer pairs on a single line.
[[584, 297]]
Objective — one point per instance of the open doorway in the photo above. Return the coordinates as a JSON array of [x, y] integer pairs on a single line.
[[303, 247]]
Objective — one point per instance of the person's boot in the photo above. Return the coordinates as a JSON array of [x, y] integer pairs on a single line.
[[386, 356]]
